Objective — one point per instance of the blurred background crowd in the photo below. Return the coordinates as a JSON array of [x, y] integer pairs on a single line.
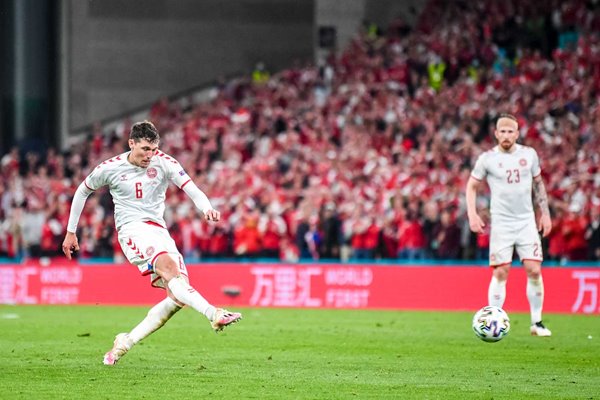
[[364, 155]]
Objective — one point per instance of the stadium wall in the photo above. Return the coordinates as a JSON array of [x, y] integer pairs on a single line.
[[427, 287], [123, 55]]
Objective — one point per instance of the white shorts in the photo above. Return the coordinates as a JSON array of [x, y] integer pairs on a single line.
[[143, 242], [525, 239]]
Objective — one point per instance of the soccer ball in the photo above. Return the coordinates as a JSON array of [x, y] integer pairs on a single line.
[[491, 324]]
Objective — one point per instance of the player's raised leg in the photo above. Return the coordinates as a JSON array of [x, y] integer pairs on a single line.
[[224, 318], [169, 269]]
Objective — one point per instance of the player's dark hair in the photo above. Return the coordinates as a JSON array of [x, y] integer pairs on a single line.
[[144, 130]]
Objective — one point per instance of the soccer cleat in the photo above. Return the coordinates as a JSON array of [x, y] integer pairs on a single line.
[[121, 346], [224, 318], [539, 329]]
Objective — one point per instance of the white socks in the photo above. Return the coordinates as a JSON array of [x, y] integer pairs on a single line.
[[496, 292], [157, 316], [163, 311], [535, 295], [189, 296]]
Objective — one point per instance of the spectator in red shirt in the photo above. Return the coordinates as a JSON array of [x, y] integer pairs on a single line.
[[389, 239], [573, 229], [356, 229], [556, 239], [365, 238], [411, 238], [246, 237], [288, 251], [220, 243], [272, 229]]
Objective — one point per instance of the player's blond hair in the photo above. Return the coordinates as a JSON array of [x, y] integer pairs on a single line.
[[507, 116]]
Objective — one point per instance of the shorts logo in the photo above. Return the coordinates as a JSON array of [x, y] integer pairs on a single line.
[[151, 172], [492, 257], [523, 162], [149, 251]]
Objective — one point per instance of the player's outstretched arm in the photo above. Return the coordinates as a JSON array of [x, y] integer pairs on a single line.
[[70, 244], [212, 215], [475, 222], [540, 198], [201, 202]]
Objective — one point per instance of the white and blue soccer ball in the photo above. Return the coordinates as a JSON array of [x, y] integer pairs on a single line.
[[491, 324]]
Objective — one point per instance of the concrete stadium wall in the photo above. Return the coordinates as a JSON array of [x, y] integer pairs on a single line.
[[348, 16], [382, 12], [124, 54]]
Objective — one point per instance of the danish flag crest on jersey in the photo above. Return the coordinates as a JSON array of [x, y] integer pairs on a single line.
[[151, 172], [523, 162]]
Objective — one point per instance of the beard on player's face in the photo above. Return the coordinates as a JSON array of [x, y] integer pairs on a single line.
[[506, 140], [507, 132], [507, 144]]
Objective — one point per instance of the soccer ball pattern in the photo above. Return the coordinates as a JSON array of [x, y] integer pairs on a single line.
[[491, 324]]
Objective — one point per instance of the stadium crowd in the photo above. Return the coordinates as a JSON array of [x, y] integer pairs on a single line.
[[362, 156]]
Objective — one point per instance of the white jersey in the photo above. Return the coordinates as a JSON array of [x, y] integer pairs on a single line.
[[138, 193], [510, 177]]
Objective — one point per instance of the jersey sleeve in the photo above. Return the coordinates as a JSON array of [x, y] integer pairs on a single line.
[[96, 179], [479, 171], [536, 170], [176, 173]]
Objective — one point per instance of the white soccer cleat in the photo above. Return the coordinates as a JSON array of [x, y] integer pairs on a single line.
[[121, 346], [539, 329], [224, 318]]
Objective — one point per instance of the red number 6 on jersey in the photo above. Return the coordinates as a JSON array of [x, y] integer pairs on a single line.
[[138, 190]]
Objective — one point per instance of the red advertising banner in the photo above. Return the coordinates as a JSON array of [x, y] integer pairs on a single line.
[[567, 290]]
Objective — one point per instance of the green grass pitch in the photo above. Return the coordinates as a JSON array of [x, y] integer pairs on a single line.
[[56, 353]]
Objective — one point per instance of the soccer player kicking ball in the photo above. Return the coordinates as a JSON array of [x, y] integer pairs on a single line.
[[138, 181], [513, 171]]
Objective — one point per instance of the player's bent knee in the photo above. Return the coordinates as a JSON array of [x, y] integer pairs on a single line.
[[501, 276], [501, 272], [533, 269], [534, 274], [166, 267]]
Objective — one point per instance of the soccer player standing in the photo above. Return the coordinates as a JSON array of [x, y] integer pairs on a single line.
[[138, 181], [513, 173]]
